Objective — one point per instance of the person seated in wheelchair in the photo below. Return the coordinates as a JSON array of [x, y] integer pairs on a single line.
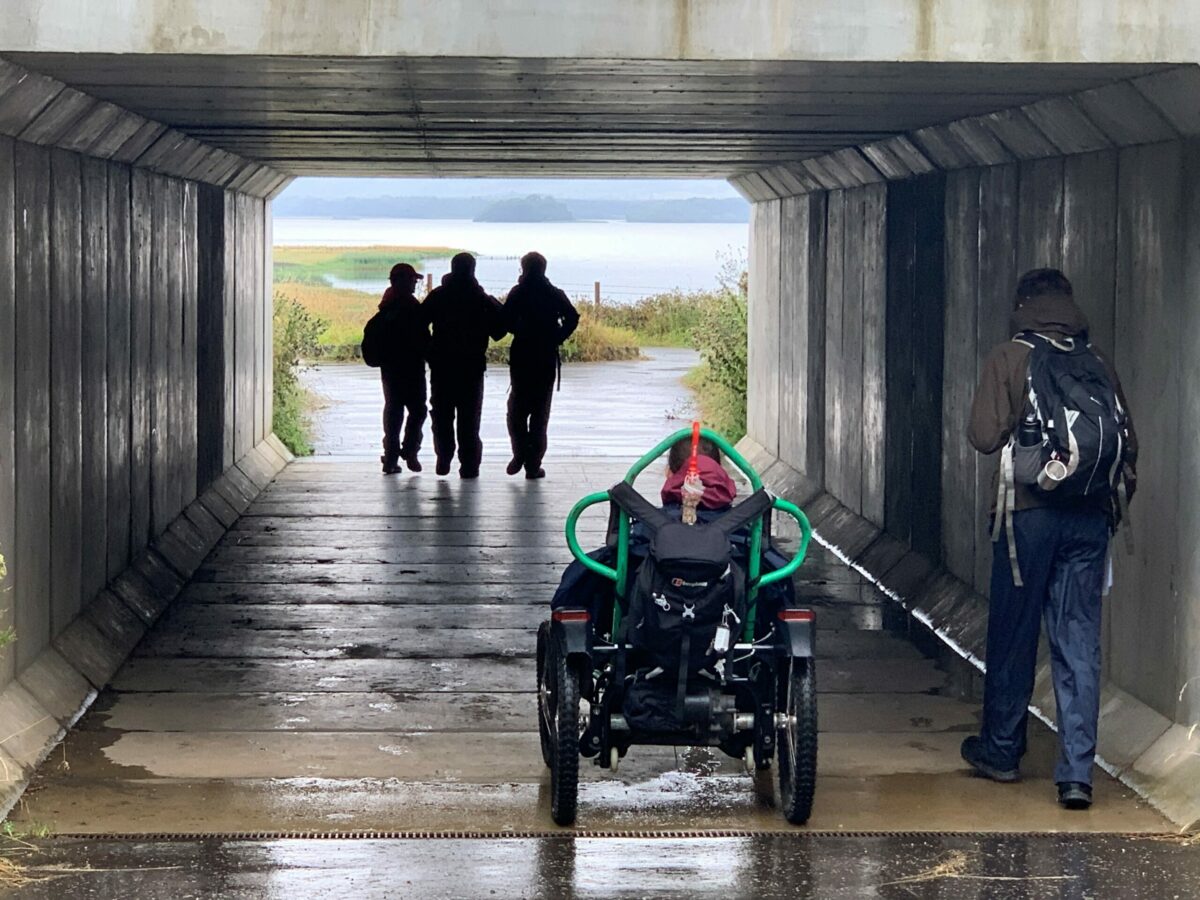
[[582, 588]]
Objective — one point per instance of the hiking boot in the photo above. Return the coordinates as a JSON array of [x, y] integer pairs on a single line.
[[468, 473], [1075, 794], [442, 467], [414, 464], [531, 474], [972, 752], [514, 465], [390, 466]]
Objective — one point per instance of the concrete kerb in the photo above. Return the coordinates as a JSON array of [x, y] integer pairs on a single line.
[[116, 621], [1156, 758], [50, 694], [28, 727]]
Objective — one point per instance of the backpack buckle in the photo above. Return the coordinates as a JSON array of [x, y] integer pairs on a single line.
[[689, 611]]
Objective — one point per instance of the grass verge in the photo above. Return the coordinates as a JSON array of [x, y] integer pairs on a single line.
[[309, 264]]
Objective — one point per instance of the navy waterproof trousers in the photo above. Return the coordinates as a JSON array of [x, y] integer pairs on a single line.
[[1062, 555]]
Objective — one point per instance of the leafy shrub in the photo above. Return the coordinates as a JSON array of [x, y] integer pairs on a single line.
[[661, 320], [7, 634], [720, 379], [297, 332]]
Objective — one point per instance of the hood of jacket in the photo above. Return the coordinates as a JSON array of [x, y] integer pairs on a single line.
[[1054, 314], [719, 488]]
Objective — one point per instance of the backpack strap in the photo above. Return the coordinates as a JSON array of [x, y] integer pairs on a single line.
[[754, 506], [685, 658], [1006, 500], [634, 504]]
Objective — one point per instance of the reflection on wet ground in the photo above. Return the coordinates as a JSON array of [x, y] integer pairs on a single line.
[[767, 866]]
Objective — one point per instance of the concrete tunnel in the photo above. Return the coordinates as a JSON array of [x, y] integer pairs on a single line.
[[903, 172]]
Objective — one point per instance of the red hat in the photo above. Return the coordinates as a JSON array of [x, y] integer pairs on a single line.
[[403, 270]]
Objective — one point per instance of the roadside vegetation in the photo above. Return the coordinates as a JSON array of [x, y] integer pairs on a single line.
[[297, 332]]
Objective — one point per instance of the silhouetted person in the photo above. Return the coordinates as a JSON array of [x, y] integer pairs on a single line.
[[463, 316], [540, 317], [398, 339]]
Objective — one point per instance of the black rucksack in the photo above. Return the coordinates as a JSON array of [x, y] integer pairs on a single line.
[[374, 349], [685, 607], [1071, 442], [1080, 417]]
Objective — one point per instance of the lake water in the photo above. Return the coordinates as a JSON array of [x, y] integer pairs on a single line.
[[630, 259]]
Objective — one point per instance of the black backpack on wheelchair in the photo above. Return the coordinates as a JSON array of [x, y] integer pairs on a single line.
[[685, 610]]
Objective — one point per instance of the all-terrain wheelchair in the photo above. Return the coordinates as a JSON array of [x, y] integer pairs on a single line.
[[680, 648]]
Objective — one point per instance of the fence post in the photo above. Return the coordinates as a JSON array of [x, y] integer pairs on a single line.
[[597, 295], [428, 282]]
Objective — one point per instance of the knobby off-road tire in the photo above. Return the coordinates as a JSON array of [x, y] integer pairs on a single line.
[[544, 714], [797, 740], [564, 732]]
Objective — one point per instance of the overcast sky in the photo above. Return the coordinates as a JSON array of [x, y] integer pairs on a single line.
[[624, 189]]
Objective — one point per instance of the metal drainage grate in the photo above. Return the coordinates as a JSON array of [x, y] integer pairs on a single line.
[[685, 834]]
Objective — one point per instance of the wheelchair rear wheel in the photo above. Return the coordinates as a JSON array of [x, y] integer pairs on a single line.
[[559, 699]]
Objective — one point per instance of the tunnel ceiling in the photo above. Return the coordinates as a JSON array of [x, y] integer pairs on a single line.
[[412, 116]]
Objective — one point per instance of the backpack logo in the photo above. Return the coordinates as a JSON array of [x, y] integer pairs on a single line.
[[679, 583]]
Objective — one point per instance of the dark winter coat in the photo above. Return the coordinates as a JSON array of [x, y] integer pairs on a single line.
[[462, 316], [1001, 395], [405, 336], [540, 317]]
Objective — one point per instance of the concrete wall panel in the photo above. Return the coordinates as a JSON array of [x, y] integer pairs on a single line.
[[118, 370], [188, 368], [161, 488], [998, 192], [1187, 636], [762, 416], [142, 357], [94, 309], [960, 356], [261, 346], [66, 409], [267, 280], [1040, 214], [1090, 238], [244, 329], [802, 335], [210, 385], [1145, 601], [874, 358], [850, 362], [229, 297], [835, 405], [172, 248], [30, 560], [8, 398], [914, 322]]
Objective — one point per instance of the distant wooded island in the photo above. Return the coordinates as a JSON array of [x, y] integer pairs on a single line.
[[532, 208]]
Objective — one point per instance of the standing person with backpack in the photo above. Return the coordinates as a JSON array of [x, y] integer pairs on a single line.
[[540, 317], [462, 316], [395, 341], [1055, 409]]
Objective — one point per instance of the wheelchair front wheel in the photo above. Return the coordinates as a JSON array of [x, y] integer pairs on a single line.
[[797, 739]]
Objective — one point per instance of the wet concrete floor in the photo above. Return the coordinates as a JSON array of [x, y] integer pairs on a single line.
[[766, 866], [357, 655]]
